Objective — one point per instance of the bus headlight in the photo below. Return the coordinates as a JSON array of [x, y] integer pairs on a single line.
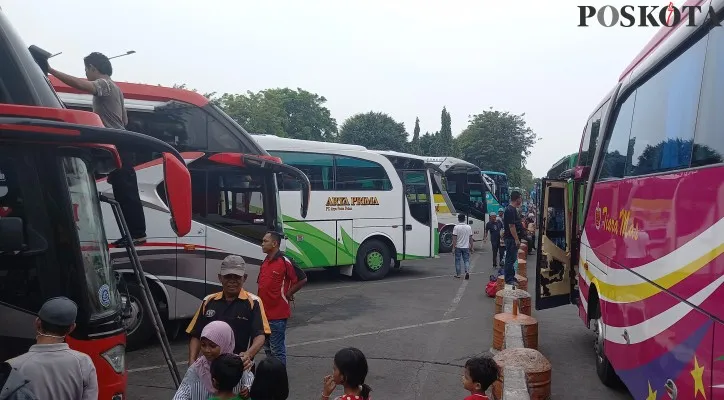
[[116, 357]]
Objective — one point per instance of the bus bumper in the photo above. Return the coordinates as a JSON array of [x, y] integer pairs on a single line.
[[111, 384]]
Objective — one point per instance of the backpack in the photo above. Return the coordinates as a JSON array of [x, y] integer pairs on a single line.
[[490, 287]]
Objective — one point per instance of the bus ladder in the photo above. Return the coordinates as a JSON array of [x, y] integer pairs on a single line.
[[146, 292]]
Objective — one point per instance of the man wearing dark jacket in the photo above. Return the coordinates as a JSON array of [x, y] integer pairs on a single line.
[[12, 385]]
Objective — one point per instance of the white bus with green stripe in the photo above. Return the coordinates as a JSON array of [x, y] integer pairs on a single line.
[[365, 216]]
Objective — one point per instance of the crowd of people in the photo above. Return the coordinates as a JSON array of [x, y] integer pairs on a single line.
[[230, 327], [227, 332]]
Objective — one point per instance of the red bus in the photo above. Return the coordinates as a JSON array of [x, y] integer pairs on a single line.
[[645, 266], [52, 240]]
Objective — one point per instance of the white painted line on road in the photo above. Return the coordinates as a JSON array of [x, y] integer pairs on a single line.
[[334, 339], [386, 282], [399, 328]]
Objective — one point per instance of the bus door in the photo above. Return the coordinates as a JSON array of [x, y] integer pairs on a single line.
[[555, 276], [418, 223]]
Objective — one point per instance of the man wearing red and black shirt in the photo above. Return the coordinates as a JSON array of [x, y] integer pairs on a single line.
[[278, 280]]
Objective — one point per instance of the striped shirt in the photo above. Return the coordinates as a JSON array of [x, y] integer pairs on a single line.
[[192, 388]]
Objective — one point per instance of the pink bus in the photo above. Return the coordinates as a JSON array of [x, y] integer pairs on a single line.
[[645, 266]]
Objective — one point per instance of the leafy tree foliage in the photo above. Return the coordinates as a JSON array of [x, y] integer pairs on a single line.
[[374, 130], [445, 146], [414, 145], [297, 114], [498, 141]]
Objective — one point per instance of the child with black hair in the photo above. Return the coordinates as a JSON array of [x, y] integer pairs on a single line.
[[226, 372], [270, 381], [480, 373], [350, 371]]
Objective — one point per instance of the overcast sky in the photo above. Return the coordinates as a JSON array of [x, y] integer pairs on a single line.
[[402, 57]]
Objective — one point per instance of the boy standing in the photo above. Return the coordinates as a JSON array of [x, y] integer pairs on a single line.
[[226, 372], [480, 373], [462, 245]]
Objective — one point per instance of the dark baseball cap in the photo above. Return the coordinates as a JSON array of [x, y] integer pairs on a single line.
[[60, 311]]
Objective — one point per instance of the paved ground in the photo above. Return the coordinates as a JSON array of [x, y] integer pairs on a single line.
[[417, 328]]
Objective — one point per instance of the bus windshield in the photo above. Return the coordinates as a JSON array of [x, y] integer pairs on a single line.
[[102, 295], [65, 249]]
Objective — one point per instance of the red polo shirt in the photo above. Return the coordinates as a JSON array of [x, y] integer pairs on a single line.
[[276, 276]]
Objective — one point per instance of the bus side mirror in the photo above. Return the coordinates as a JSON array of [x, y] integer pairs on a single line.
[[12, 235], [177, 180], [580, 173]]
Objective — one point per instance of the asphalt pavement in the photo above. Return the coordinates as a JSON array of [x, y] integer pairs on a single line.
[[417, 328]]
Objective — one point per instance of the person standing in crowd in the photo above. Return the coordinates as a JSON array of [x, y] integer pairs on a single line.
[[511, 225], [479, 374], [462, 245], [493, 227], [271, 381], [349, 370], [501, 251], [530, 225], [243, 311], [14, 386], [53, 369], [278, 281], [217, 340], [108, 104]]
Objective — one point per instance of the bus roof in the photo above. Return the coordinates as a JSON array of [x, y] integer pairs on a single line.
[[398, 154], [446, 163], [660, 37], [140, 91], [272, 142], [493, 173]]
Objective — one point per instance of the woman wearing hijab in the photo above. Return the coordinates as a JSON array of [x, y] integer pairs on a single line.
[[216, 338]]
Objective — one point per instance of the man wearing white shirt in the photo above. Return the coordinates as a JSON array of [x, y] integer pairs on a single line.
[[462, 245]]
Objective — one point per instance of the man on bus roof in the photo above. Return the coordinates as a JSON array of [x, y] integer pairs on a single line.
[[108, 104]]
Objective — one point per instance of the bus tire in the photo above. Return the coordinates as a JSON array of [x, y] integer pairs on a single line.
[[604, 369], [139, 328], [446, 239], [373, 260]]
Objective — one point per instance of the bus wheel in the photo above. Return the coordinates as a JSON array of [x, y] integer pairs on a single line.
[[139, 328], [604, 369], [373, 260], [446, 238]]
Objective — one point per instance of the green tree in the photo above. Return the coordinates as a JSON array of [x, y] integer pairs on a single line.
[[522, 177], [374, 130], [414, 145], [427, 145], [445, 139], [497, 141], [297, 114]]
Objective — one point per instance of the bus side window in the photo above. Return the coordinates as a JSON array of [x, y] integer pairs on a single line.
[[221, 139], [319, 169], [617, 147], [708, 143], [662, 129], [357, 174]]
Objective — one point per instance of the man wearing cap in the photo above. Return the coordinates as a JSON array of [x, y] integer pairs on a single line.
[[53, 369], [278, 280], [240, 309]]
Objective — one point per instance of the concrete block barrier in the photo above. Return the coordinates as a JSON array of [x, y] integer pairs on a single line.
[[522, 283], [525, 374], [504, 301], [523, 267]]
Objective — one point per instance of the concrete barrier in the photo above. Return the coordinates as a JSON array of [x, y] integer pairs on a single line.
[[525, 374]]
